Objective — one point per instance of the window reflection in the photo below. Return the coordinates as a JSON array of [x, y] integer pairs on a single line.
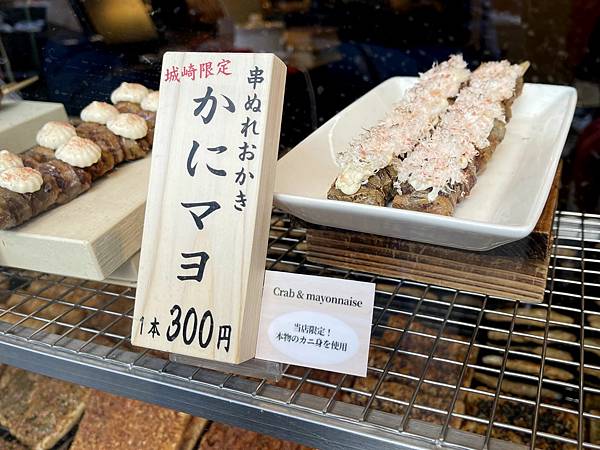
[[336, 50]]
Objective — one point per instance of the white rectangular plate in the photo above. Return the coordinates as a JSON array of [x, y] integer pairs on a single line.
[[88, 237], [504, 205]]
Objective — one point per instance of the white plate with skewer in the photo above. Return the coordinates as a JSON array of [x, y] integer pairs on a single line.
[[504, 206]]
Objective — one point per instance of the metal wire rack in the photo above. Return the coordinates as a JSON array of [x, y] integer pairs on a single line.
[[446, 368]]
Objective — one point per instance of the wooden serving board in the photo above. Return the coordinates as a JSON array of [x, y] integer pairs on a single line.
[[89, 237], [20, 121], [515, 271], [126, 274]]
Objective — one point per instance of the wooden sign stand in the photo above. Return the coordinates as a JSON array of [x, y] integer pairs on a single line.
[[516, 271], [209, 204]]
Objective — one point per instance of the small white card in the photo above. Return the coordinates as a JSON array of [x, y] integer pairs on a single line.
[[318, 322]]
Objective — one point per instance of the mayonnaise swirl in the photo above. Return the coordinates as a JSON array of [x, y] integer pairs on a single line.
[[79, 152], [54, 134], [130, 126], [150, 102], [98, 112], [129, 92], [8, 160], [23, 180]]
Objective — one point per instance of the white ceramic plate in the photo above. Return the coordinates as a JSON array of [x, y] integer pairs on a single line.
[[504, 205]]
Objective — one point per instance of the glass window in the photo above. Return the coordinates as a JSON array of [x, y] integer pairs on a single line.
[[335, 50]]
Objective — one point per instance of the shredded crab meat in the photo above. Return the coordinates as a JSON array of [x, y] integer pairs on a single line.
[[411, 120], [438, 162]]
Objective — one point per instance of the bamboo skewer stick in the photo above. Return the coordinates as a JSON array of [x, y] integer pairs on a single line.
[[17, 86]]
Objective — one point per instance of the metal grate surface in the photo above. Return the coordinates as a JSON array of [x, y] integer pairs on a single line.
[[446, 368]]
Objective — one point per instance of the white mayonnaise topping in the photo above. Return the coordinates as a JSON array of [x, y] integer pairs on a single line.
[[150, 101], [8, 160], [437, 163], [54, 134], [129, 92], [130, 126], [411, 120], [23, 180], [98, 112], [79, 152]]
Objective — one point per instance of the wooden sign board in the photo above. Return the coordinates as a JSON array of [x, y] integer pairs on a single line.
[[209, 204]]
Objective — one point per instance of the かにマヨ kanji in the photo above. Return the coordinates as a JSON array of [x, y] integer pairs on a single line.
[[211, 207], [199, 266], [210, 98]]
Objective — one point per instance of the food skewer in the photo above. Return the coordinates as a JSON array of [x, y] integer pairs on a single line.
[[443, 169], [366, 169], [137, 99], [68, 159], [24, 191]]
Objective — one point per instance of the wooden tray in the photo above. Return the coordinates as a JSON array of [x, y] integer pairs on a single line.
[[516, 271], [89, 237], [20, 121]]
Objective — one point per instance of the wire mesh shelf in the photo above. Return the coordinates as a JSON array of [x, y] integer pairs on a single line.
[[446, 368]]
